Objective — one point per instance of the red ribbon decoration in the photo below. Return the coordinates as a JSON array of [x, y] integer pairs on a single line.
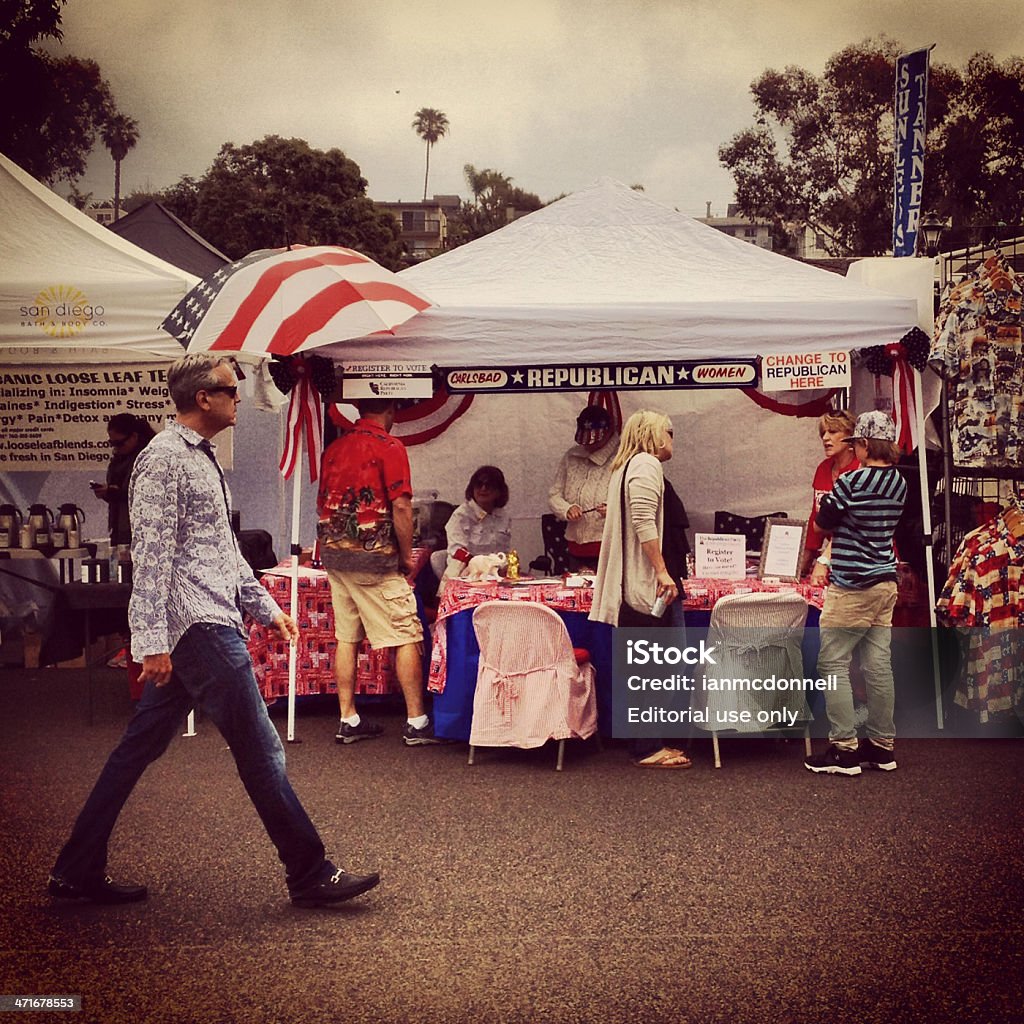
[[815, 407], [305, 419], [903, 408]]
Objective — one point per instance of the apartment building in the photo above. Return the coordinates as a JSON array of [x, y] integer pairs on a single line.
[[424, 224], [756, 232]]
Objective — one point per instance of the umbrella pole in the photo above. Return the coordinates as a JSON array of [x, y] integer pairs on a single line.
[[293, 647]]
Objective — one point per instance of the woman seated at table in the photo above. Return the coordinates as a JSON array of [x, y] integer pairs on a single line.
[[632, 578], [479, 526], [833, 427]]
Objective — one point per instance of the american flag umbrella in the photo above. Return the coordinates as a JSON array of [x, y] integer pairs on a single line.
[[286, 302]]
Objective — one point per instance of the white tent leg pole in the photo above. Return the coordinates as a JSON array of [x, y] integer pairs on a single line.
[[292, 648], [929, 564]]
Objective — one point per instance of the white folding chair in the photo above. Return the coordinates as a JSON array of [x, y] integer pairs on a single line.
[[755, 636]]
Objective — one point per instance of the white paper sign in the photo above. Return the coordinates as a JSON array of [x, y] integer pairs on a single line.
[[55, 417], [805, 370], [720, 556], [782, 550], [387, 380]]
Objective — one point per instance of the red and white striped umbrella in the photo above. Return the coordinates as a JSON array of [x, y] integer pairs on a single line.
[[285, 301]]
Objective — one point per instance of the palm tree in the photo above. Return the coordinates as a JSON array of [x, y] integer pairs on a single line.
[[119, 134], [430, 125]]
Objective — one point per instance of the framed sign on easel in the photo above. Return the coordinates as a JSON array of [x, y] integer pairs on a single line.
[[781, 549]]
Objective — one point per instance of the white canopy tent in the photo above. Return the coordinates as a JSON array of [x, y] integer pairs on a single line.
[[71, 291], [73, 294], [607, 274]]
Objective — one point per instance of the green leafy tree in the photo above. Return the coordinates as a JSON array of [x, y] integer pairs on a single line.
[[974, 172], [276, 192], [495, 202], [51, 107], [181, 199], [119, 134], [820, 152], [77, 198], [430, 125]]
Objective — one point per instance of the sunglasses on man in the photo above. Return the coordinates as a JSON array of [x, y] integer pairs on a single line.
[[227, 389]]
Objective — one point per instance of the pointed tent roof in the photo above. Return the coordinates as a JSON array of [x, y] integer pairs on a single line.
[[608, 274], [72, 291], [154, 228]]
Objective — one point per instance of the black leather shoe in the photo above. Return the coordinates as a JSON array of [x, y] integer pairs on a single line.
[[339, 887], [103, 891]]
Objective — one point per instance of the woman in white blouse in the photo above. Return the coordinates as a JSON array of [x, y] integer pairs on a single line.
[[480, 525]]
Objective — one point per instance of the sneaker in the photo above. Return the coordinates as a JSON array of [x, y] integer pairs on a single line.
[[119, 660], [872, 756], [335, 888], [413, 737], [354, 733], [835, 762]]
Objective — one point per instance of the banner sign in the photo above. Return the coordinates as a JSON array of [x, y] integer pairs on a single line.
[[718, 373], [56, 418], [386, 380], [909, 147], [803, 371]]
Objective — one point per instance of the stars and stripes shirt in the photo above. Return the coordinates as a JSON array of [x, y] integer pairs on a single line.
[[862, 511], [187, 567]]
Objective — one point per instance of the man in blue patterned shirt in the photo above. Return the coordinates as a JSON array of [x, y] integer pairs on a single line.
[[191, 586]]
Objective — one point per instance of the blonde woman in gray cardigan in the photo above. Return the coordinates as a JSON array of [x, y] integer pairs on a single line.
[[631, 573]]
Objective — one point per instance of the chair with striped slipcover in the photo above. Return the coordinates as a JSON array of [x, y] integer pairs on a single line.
[[755, 636]]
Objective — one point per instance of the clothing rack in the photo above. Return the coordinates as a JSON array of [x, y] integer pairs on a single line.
[[966, 496]]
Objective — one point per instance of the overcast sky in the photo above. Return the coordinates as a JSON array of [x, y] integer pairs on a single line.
[[553, 93]]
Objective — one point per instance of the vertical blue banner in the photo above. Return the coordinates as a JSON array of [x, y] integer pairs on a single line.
[[908, 149]]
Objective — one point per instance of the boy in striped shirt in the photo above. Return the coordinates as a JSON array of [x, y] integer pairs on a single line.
[[861, 513]]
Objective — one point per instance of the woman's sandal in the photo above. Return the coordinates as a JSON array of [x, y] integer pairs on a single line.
[[665, 758]]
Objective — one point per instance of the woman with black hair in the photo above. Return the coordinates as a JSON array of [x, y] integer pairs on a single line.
[[127, 435]]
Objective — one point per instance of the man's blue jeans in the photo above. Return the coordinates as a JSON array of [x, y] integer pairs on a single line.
[[212, 671]]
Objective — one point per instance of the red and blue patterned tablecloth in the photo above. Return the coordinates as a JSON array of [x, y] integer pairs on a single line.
[[375, 670], [701, 594]]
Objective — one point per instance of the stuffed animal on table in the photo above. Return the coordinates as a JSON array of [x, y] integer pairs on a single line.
[[482, 567]]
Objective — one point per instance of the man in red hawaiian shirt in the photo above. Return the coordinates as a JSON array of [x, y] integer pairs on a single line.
[[365, 532]]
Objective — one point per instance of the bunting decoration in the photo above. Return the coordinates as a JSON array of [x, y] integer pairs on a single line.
[[420, 421], [609, 401], [897, 361], [309, 380]]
